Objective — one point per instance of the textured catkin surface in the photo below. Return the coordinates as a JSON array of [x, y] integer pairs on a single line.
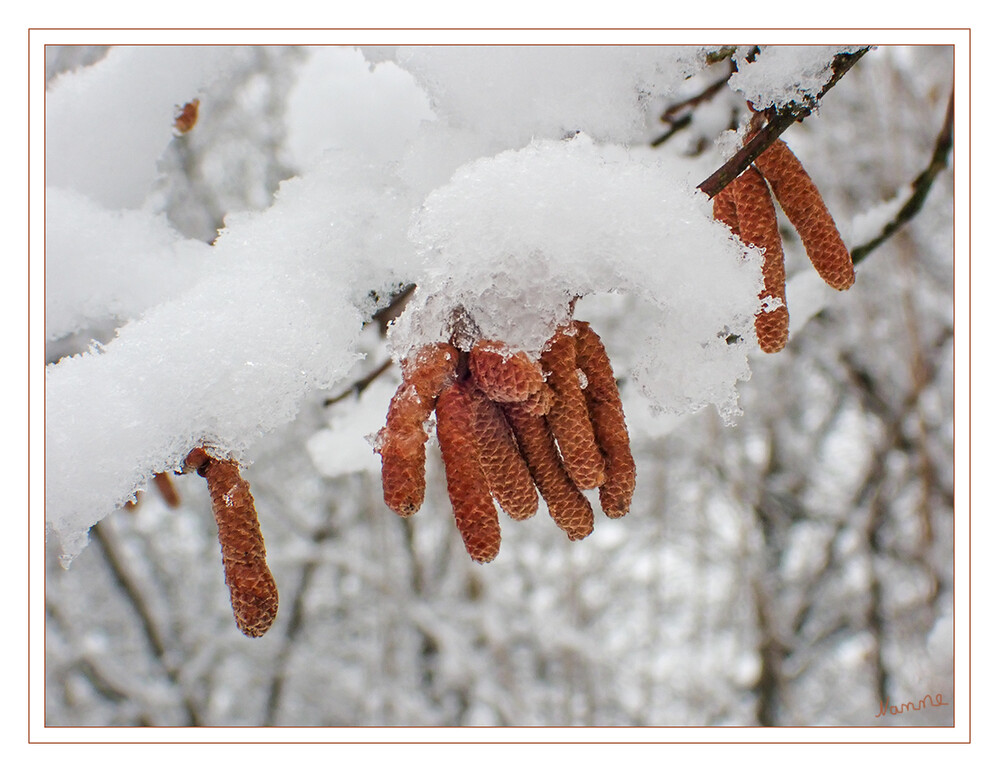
[[607, 416], [568, 418], [252, 590], [723, 209], [505, 469], [503, 375], [567, 505], [757, 224], [804, 207], [402, 443], [474, 511]]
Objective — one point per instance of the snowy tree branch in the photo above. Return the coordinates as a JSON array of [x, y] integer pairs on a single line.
[[777, 124], [920, 186]]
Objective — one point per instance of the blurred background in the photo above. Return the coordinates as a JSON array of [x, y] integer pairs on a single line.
[[793, 569]]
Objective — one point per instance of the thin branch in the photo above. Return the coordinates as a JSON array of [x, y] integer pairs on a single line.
[[356, 389], [681, 114], [920, 186], [778, 123]]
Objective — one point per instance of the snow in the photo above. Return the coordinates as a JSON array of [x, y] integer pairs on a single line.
[[110, 264], [520, 191], [780, 75], [513, 94]]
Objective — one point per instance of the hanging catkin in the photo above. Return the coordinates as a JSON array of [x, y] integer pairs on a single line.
[[252, 590], [804, 207], [474, 511], [568, 418], [504, 467], [607, 415], [402, 443], [757, 226], [504, 375], [568, 507]]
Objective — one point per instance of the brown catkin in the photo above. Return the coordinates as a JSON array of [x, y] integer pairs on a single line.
[[568, 418], [252, 590], [402, 443], [804, 207], [474, 511], [607, 416], [757, 222], [505, 469], [504, 375], [567, 505]]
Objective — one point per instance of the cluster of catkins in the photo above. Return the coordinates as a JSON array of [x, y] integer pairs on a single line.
[[511, 427], [746, 207]]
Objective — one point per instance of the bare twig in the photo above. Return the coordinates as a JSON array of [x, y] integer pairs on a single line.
[[920, 186], [680, 114], [356, 389], [779, 121]]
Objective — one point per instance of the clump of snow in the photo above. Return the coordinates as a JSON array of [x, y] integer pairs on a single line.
[[514, 238], [513, 94], [103, 263], [780, 75], [106, 126], [340, 102]]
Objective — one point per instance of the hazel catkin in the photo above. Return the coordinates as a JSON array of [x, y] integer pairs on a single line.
[[474, 511], [567, 506], [504, 375], [505, 469], [607, 415], [402, 442], [568, 418], [804, 207], [252, 590], [757, 226]]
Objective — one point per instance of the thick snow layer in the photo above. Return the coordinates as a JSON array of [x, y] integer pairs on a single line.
[[780, 75], [105, 264]]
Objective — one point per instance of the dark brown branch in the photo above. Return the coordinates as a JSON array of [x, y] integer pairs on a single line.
[[777, 124], [920, 187]]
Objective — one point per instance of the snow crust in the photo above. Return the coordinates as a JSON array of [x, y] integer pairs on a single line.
[[780, 75]]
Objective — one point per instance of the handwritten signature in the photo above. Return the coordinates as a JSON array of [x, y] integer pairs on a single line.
[[934, 701]]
